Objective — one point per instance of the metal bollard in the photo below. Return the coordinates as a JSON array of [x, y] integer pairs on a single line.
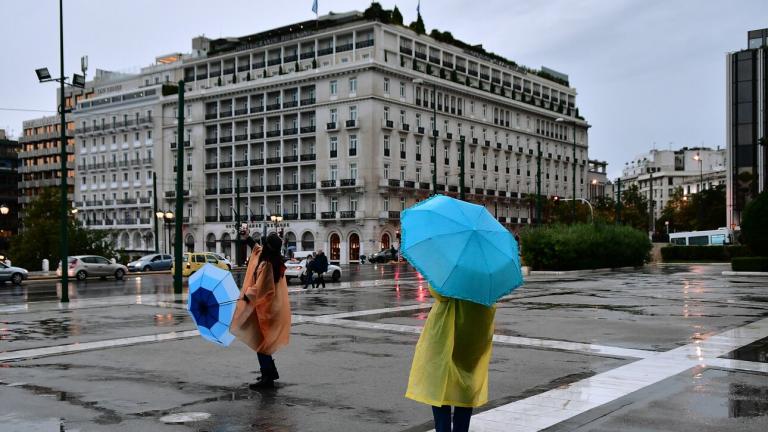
[[46, 265]]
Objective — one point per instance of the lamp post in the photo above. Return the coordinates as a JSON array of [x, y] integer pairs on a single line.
[[573, 124], [433, 132], [666, 224], [700, 208], [167, 218], [43, 75], [4, 209]]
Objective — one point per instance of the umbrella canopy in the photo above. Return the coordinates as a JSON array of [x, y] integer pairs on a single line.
[[462, 250], [213, 294]]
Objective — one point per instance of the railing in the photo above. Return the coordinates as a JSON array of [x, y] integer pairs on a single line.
[[257, 108], [257, 188], [308, 216], [409, 184], [273, 133], [389, 124], [272, 107], [364, 43], [226, 139], [241, 137], [273, 160], [328, 215], [290, 216], [393, 214], [307, 55], [211, 115], [347, 214], [405, 127], [290, 186], [273, 188], [257, 135], [344, 47], [393, 183], [290, 58], [350, 124], [226, 190], [328, 183], [308, 185], [213, 140], [290, 159], [308, 157], [290, 103], [212, 218], [348, 182], [307, 129], [257, 161], [406, 50], [330, 126], [290, 131], [424, 185], [241, 163], [308, 101], [324, 51], [227, 113]]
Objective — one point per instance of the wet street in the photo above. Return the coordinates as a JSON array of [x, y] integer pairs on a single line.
[[664, 348]]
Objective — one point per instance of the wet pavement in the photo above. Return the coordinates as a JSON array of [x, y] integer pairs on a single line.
[[675, 347]]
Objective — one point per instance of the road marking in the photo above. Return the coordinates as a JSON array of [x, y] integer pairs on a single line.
[[555, 406]]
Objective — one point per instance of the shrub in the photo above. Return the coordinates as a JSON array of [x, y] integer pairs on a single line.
[[702, 253], [754, 264], [754, 224], [584, 246]]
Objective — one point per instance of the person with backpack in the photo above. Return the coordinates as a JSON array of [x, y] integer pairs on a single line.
[[319, 266]]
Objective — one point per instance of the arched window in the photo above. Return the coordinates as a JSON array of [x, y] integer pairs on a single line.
[[354, 247], [226, 245], [335, 247], [210, 242], [386, 242], [307, 241]]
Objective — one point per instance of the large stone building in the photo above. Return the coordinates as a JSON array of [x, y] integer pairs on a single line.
[[659, 173], [9, 190], [746, 124], [327, 125]]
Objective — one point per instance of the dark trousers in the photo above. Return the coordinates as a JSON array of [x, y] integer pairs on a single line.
[[442, 416], [268, 368], [319, 279], [308, 278]]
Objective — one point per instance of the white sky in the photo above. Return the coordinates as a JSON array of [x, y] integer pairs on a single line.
[[647, 71]]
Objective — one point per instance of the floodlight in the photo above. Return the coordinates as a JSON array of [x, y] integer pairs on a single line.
[[43, 74], [78, 81]]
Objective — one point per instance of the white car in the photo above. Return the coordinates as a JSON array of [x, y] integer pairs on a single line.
[[297, 268], [224, 260]]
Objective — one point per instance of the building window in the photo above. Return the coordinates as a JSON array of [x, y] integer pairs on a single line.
[[353, 203], [418, 120], [386, 85], [334, 115], [386, 145], [386, 171], [418, 174], [402, 89], [353, 170], [334, 204], [402, 172], [352, 86], [334, 87], [353, 145], [334, 172], [386, 113], [386, 203], [333, 146], [353, 113]]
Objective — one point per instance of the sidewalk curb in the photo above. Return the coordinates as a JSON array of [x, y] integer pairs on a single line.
[[578, 272], [54, 277], [745, 273]]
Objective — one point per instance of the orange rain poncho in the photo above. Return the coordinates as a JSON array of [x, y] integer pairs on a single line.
[[264, 323], [450, 366]]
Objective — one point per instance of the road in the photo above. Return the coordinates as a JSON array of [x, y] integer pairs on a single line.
[[676, 347]]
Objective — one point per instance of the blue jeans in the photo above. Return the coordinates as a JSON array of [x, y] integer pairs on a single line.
[[442, 416]]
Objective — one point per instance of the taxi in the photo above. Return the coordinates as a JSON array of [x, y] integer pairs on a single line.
[[193, 261]]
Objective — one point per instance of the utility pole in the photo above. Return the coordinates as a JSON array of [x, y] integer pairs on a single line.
[[538, 182], [64, 241], [154, 213], [618, 202], [461, 168], [238, 254], [179, 193]]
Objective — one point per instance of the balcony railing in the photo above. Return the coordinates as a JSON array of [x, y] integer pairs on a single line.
[[330, 126], [308, 101], [328, 215], [290, 216], [344, 47], [273, 188], [351, 124], [258, 161], [274, 160], [257, 135], [225, 164], [388, 124], [308, 185], [273, 133], [324, 51], [347, 214], [307, 129], [290, 159], [225, 139], [241, 137], [348, 182], [257, 188], [211, 115], [364, 43], [210, 140], [241, 111], [226, 190], [308, 157], [328, 184], [393, 214], [290, 131], [307, 55], [308, 216], [290, 103]]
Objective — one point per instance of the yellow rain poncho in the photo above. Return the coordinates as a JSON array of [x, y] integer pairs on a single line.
[[450, 366]]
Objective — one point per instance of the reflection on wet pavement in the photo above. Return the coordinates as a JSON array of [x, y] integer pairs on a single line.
[[756, 352]]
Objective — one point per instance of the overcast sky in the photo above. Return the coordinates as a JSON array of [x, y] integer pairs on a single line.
[[646, 71]]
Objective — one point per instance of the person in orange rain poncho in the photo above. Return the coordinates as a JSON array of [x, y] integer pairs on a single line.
[[450, 366], [262, 317]]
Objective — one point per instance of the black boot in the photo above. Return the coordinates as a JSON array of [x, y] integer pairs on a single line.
[[266, 380]]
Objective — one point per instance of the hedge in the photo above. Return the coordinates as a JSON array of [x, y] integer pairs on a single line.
[[583, 246], [703, 253], [751, 264]]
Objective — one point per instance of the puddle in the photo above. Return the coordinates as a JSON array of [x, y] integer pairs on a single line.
[[756, 352], [747, 401]]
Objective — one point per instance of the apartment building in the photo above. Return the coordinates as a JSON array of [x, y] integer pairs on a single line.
[[746, 124], [327, 125], [9, 192], [659, 173], [597, 180]]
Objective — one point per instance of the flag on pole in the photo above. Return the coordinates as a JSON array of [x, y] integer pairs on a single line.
[[314, 7]]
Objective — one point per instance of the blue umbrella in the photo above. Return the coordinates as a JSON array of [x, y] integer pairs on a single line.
[[211, 303], [461, 249]]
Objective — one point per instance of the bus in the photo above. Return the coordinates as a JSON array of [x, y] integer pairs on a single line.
[[720, 236]]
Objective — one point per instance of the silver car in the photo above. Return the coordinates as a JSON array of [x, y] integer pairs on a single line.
[[84, 266], [152, 262], [13, 274]]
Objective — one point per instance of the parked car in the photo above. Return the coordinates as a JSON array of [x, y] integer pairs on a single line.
[[297, 268], [151, 262], [224, 259], [383, 256], [193, 261], [12, 274], [85, 266]]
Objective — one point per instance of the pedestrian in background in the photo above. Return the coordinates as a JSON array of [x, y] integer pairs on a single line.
[[308, 271], [450, 365], [320, 266], [262, 318]]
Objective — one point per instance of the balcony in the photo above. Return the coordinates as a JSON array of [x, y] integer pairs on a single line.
[[211, 191], [478, 191], [273, 188], [307, 129], [211, 165], [308, 101], [225, 218], [274, 61], [273, 133], [257, 218], [257, 108], [406, 50], [409, 184], [308, 216], [241, 137], [212, 218], [274, 160], [225, 139], [241, 111], [241, 163], [257, 135], [420, 130], [307, 55], [225, 164], [352, 124], [405, 127], [307, 185], [331, 126], [243, 67], [290, 104], [324, 51], [344, 47], [290, 216], [421, 55], [290, 58], [424, 186], [393, 215], [211, 115], [257, 188], [258, 65], [487, 143], [258, 161], [434, 60], [490, 192], [308, 157], [347, 214], [327, 215], [364, 44], [225, 114], [393, 183], [273, 107], [290, 131], [290, 186], [226, 190], [348, 182], [290, 159], [326, 184]]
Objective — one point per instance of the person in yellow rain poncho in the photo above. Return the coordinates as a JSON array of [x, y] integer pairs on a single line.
[[450, 366]]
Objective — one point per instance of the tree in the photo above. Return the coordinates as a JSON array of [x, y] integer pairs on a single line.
[[418, 25], [695, 212], [634, 208], [40, 238], [754, 224], [397, 17]]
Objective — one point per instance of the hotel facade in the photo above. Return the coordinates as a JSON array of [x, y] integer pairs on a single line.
[[334, 126]]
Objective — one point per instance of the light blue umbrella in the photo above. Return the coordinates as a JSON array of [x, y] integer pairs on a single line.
[[213, 294], [461, 249]]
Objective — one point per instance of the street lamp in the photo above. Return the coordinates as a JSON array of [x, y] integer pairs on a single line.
[[4, 209], [433, 157], [666, 223], [572, 123], [43, 75], [701, 171], [167, 218]]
